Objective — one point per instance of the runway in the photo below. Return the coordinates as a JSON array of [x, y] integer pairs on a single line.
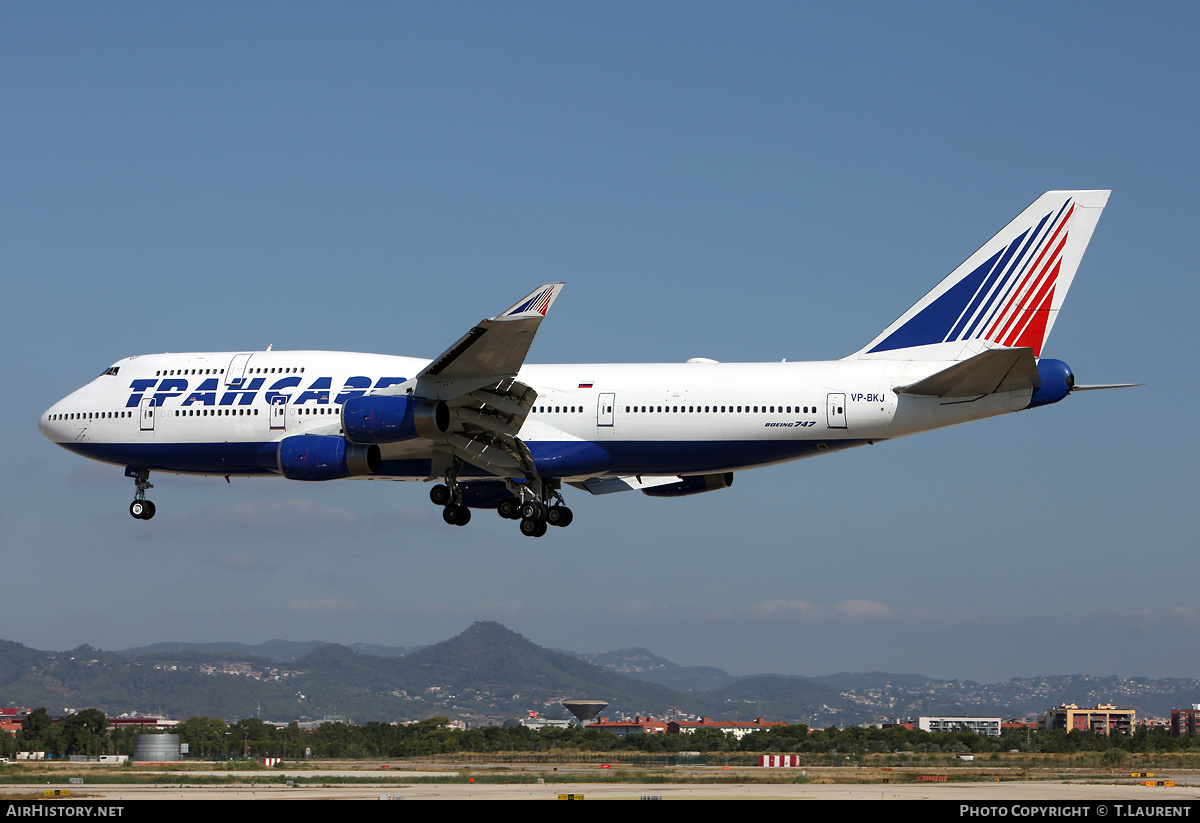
[[1007, 792]]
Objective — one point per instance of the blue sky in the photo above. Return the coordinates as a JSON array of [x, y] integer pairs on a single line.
[[742, 182]]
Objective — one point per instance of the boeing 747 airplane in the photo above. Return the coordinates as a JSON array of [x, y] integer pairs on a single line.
[[497, 433]]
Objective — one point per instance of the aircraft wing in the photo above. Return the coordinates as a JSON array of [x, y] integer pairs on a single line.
[[496, 348], [475, 378]]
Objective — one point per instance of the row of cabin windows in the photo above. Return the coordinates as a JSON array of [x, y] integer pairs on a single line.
[[237, 411], [537, 410], [174, 372], [234, 411], [686, 409], [90, 415], [230, 412], [720, 409]]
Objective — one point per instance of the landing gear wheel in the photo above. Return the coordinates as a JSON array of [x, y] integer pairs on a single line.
[[533, 528], [533, 510], [440, 495], [141, 509], [456, 515], [508, 508], [559, 516]]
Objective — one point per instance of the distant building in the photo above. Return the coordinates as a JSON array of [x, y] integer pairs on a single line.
[[1018, 724], [11, 719], [624, 728], [536, 723], [1185, 721], [987, 726], [159, 723], [1100, 719], [648, 725], [736, 728]]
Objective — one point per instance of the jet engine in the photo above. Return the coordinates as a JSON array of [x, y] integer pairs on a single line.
[[391, 419], [325, 457]]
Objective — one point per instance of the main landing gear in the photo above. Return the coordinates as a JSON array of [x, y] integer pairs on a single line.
[[450, 497], [141, 508], [535, 515]]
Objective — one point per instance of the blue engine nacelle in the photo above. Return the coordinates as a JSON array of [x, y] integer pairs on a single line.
[[692, 485], [325, 457], [391, 419], [1057, 382]]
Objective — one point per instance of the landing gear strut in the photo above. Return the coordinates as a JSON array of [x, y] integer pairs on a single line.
[[449, 496], [141, 508]]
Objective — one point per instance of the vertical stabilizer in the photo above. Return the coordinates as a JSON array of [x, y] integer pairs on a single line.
[[1007, 294]]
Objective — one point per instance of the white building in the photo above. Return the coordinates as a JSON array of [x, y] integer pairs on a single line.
[[989, 726]]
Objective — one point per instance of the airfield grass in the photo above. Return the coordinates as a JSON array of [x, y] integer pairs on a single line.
[[17, 781]]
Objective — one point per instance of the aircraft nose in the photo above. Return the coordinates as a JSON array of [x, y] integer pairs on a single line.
[[49, 424]]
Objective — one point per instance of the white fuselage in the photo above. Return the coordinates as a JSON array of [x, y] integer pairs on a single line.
[[224, 413]]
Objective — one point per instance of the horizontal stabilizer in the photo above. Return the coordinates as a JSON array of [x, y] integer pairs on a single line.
[[995, 370]]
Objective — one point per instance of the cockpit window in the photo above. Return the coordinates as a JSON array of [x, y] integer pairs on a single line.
[[112, 370]]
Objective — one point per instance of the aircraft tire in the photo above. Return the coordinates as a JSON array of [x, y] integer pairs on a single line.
[[559, 516], [508, 508], [533, 510], [456, 515], [532, 528], [440, 495], [141, 509]]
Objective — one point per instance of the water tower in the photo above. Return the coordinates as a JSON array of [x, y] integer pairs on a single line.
[[584, 710]]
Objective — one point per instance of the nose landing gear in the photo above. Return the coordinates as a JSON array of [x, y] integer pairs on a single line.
[[140, 508]]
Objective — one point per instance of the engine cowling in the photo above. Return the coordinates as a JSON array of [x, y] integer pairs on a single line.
[[692, 485], [391, 419], [325, 457]]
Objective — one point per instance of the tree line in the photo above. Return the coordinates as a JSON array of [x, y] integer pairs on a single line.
[[88, 733]]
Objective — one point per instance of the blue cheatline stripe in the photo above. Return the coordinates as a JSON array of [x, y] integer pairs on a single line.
[[553, 459]]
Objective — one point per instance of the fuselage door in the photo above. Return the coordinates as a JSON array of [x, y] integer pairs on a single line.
[[236, 370], [835, 408], [279, 412], [146, 413], [604, 408]]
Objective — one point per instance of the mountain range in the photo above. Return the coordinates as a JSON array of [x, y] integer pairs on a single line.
[[490, 674]]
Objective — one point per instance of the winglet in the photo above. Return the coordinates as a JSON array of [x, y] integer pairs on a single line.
[[537, 302]]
